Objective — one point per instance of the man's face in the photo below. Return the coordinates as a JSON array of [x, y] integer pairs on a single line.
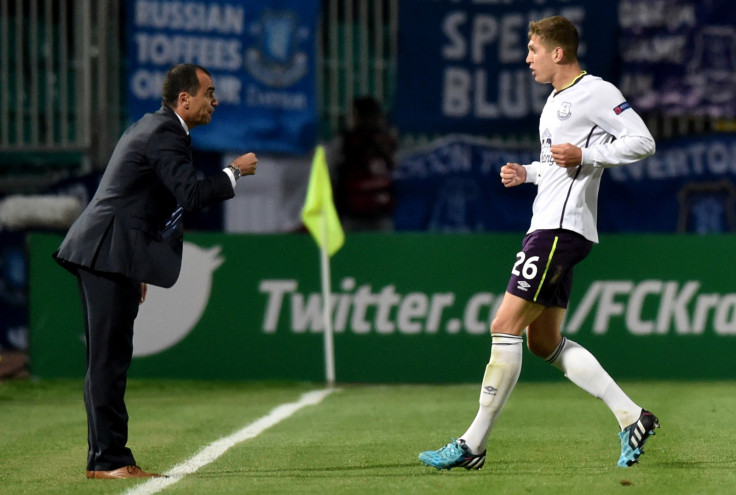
[[541, 60], [201, 105]]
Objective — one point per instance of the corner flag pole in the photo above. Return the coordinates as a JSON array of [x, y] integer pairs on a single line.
[[326, 305], [321, 219]]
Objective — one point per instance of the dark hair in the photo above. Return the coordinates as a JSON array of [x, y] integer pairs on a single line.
[[557, 31], [180, 78], [367, 112]]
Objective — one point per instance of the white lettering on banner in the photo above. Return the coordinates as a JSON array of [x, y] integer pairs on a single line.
[[674, 306], [306, 313], [468, 90], [147, 84], [653, 34], [276, 290], [284, 100], [457, 157], [451, 27], [634, 14], [716, 157], [165, 50], [725, 320], [465, 93], [214, 42], [385, 311], [679, 307], [633, 317], [190, 16], [473, 309], [648, 307], [663, 49], [508, 32]]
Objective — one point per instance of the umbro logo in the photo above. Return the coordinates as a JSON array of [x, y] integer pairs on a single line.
[[490, 390], [523, 285]]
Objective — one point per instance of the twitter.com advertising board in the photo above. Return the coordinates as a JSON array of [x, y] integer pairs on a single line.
[[250, 307]]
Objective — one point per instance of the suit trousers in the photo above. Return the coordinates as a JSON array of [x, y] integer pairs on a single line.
[[110, 304]]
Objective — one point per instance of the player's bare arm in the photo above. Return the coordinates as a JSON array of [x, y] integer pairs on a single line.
[[566, 155], [513, 174]]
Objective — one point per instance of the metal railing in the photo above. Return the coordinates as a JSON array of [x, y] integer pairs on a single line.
[[358, 47], [59, 74]]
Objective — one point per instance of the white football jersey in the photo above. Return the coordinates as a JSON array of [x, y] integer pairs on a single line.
[[593, 115]]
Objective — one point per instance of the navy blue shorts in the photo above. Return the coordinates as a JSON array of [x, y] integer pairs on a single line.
[[543, 269]]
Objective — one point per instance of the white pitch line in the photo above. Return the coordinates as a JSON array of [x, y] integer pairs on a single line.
[[219, 447]]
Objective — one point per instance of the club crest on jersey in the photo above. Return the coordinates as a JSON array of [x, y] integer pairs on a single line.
[[623, 106], [564, 112]]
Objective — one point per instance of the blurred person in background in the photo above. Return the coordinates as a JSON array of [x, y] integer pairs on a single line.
[[364, 192]]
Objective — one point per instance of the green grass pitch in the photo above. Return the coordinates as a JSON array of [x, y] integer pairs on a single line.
[[551, 438]]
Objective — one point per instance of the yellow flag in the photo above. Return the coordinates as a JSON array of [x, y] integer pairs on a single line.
[[319, 214]]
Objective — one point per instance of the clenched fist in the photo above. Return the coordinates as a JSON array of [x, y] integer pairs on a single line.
[[513, 174], [246, 163]]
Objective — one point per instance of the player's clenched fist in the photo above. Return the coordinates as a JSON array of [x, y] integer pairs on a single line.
[[513, 174], [566, 155]]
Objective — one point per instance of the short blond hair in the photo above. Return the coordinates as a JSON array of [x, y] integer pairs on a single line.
[[557, 31]]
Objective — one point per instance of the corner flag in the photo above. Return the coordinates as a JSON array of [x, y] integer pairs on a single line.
[[320, 217], [319, 214]]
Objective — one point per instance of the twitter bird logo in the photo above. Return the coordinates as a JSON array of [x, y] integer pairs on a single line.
[[168, 315]]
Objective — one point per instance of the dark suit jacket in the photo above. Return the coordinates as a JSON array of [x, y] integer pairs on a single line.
[[149, 173]]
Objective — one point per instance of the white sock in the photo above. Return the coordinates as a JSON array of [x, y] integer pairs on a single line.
[[584, 370], [499, 380]]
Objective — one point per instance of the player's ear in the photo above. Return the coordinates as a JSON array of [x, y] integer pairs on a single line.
[[558, 54]]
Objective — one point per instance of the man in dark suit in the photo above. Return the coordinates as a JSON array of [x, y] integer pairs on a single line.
[[131, 235]]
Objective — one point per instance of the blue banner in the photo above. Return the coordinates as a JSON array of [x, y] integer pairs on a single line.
[[261, 56], [461, 63], [679, 56], [688, 185], [453, 185]]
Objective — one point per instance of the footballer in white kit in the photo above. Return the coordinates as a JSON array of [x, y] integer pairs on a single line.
[[593, 115], [586, 126]]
